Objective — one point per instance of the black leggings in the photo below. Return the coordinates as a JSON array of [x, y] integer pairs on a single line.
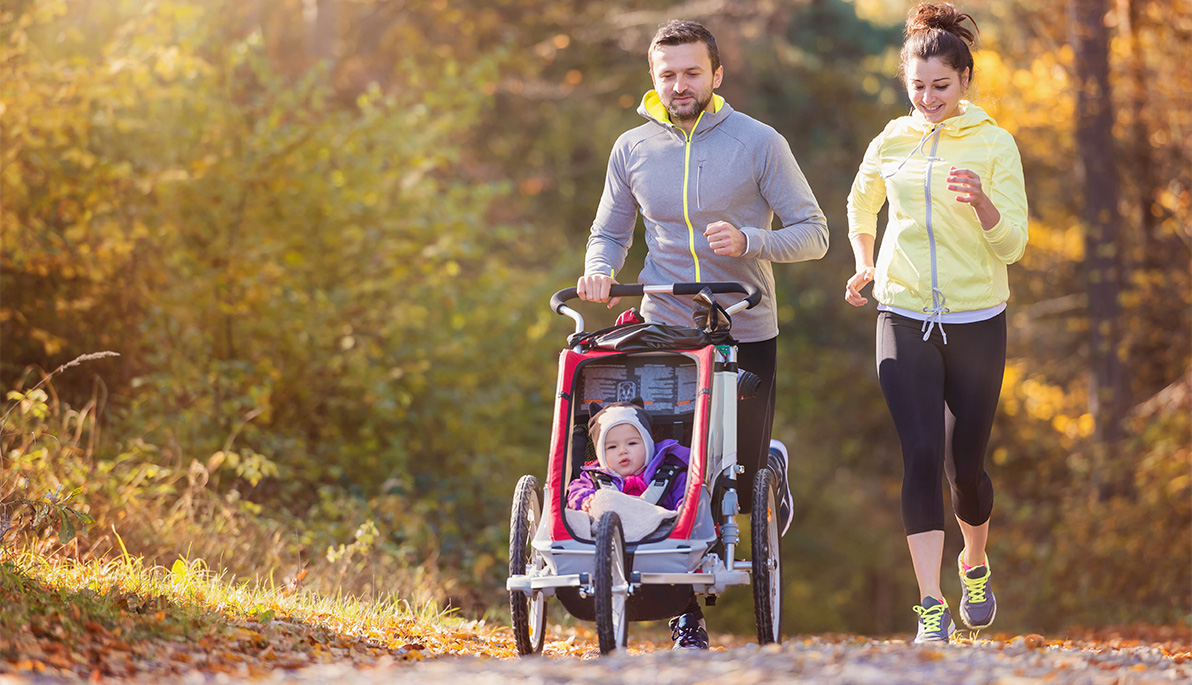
[[942, 399], [755, 416]]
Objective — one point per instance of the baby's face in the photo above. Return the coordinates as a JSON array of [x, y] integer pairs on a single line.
[[624, 450]]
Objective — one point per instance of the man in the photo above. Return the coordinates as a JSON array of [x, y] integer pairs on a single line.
[[708, 181]]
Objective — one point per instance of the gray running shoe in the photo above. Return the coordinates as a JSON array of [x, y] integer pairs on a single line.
[[978, 607], [935, 621], [779, 462]]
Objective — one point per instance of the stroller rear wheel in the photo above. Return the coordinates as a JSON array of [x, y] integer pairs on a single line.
[[529, 613], [611, 584], [767, 561]]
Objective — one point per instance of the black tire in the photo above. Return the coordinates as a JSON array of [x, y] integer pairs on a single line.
[[529, 613], [767, 559], [611, 584]]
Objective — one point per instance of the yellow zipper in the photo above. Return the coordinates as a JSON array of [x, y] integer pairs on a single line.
[[686, 178]]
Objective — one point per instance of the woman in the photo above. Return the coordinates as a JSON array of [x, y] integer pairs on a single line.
[[958, 217]]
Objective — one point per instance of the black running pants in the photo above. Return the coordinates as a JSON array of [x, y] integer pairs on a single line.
[[943, 399], [755, 416]]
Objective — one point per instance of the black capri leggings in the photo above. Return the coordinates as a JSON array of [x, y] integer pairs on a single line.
[[943, 399]]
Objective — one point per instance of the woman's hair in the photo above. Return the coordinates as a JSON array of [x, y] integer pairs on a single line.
[[938, 30]]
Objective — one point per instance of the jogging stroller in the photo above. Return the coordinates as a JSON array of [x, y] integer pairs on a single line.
[[688, 380]]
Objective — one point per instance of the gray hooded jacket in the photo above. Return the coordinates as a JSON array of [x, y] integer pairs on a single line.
[[732, 168]]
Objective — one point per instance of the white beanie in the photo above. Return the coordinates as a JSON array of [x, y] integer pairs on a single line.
[[614, 415]]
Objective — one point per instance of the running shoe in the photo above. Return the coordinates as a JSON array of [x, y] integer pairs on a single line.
[[935, 621], [978, 607], [779, 463], [688, 632]]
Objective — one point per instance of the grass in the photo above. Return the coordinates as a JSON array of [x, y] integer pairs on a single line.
[[123, 617]]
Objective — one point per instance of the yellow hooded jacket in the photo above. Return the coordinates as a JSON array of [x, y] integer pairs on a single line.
[[934, 256]]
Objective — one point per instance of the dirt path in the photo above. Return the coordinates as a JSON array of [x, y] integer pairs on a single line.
[[800, 660]]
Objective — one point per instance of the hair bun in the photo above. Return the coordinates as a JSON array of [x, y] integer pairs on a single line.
[[941, 16]]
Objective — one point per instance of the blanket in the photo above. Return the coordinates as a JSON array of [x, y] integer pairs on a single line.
[[639, 518]]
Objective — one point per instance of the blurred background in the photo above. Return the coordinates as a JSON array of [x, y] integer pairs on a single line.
[[321, 235]]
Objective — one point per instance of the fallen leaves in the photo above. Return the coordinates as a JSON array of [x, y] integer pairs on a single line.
[[120, 634], [116, 633]]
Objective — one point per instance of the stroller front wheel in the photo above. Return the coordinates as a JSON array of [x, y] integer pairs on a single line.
[[528, 613], [611, 584]]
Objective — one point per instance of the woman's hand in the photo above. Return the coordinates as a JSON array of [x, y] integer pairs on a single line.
[[968, 184], [852, 290]]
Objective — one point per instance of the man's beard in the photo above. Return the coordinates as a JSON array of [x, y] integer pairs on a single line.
[[700, 106]]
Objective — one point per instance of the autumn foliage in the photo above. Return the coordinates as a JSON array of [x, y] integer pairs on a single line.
[[325, 272]]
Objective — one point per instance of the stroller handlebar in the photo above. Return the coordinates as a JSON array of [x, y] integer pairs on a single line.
[[752, 294]]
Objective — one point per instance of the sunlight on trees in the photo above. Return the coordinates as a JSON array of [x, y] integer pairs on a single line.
[[322, 234]]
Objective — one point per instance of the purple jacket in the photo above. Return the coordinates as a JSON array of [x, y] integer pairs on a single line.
[[667, 451]]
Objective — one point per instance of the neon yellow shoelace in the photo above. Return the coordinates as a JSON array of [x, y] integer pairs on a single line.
[[976, 586], [931, 617]]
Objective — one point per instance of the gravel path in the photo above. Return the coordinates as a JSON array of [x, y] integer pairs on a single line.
[[811, 660]]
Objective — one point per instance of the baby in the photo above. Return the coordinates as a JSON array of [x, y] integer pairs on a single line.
[[627, 458]]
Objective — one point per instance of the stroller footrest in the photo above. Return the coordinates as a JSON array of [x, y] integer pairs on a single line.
[[530, 583], [720, 578]]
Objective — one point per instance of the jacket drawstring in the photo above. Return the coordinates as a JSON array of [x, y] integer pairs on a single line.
[[918, 148], [936, 311]]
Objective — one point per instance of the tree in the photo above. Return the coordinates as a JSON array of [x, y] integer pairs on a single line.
[[1109, 394]]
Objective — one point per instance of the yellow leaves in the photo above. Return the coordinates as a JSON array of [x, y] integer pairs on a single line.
[[1041, 399], [32, 402], [1074, 427], [1064, 410], [249, 465], [50, 343], [166, 65]]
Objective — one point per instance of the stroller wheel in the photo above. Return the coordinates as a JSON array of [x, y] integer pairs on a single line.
[[529, 613], [767, 561], [611, 584]]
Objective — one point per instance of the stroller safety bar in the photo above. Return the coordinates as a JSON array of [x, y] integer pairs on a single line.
[[752, 296]]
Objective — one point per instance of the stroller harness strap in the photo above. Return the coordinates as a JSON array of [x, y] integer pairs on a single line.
[[663, 477]]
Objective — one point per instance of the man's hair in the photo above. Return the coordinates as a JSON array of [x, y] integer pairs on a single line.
[[682, 32]]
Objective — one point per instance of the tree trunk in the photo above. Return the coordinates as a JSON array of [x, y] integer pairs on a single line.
[[323, 34], [1102, 220]]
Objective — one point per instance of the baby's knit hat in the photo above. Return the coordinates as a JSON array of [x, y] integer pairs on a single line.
[[614, 415]]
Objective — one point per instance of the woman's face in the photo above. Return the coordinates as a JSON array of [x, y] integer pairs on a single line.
[[935, 88], [624, 450]]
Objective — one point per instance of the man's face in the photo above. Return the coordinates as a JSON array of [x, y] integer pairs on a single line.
[[683, 79]]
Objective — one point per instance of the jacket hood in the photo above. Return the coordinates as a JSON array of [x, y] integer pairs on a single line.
[[652, 108], [971, 116]]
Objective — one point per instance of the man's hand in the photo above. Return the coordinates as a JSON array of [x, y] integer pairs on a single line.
[[594, 288], [725, 239]]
